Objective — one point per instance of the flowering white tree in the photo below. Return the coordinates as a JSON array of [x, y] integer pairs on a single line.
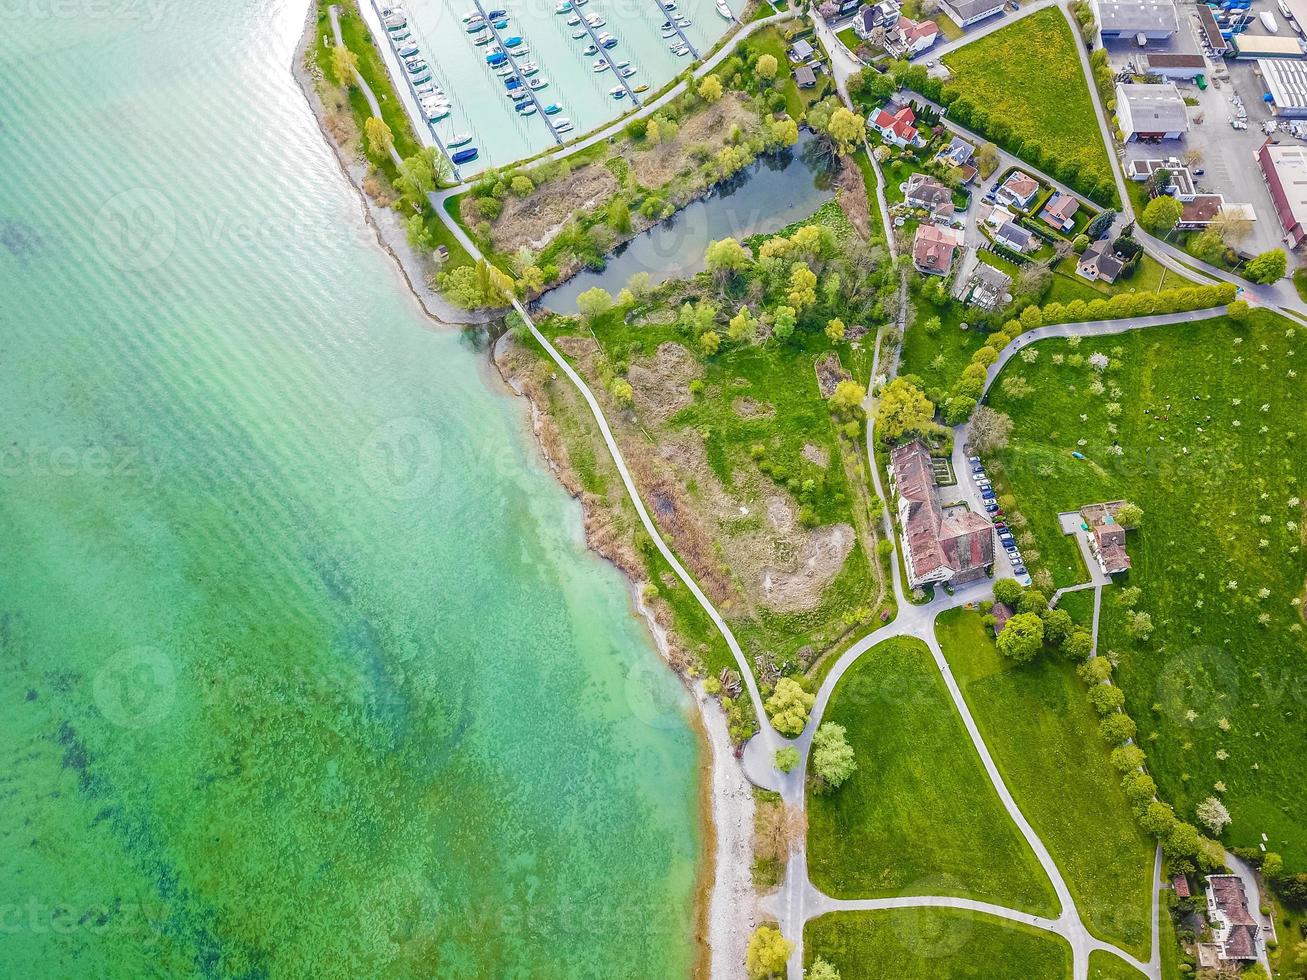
[[1098, 361], [1213, 815]]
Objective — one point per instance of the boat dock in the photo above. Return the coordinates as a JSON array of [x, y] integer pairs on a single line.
[[517, 73], [603, 53], [672, 16], [388, 52]]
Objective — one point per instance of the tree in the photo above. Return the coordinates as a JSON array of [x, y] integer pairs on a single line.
[[344, 64], [710, 89], [787, 758], [1267, 267], [1238, 310], [1057, 626], [766, 67], [1272, 865], [1213, 815], [1032, 601], [903, 411], [847, 396], [521, 185], [789, 705], [1139, 625], [1181, 840], [848, 128], [783, 320], [1116, 729], [1293, 889], [1231, 227], [1139, 787], [622, 391], [1127, 758], [835, 330], [743, 327], [1080, 244], [1022, 638], [709, 343], [821, 970], [1156, 817], [1079, 644], [724, 257], [768, 950], [417, 176], [379, 137], [832, 756], [803, 286], [1162, 214], [986, 159], [619, 217], [594, 302], [1006, 590], [1129, 516]]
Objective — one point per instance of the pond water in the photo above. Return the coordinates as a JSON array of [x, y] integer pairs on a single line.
[[776, 191]]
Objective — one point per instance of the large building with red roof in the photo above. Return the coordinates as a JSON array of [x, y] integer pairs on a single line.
[[955, 548]]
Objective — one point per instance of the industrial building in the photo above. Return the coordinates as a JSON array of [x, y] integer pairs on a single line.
[[1151, 112], [1249, 46], [1136, 20], [1286, 86], [1176, 67], [1284, 168]]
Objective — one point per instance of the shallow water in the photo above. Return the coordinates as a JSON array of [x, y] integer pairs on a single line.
[[776, 191], [304, 668], [479, 103]]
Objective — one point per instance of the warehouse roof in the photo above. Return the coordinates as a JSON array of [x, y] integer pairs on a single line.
[[1286, 81], [1137, 16], [1155, 108]]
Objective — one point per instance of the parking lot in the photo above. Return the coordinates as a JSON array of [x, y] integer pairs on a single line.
[[976, 492], [1228, 160]]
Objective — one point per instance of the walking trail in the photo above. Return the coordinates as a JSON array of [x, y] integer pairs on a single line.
[[798, 900]]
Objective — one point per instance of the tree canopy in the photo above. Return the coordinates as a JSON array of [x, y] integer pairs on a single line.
[[903, 411], [832, 756], [1022, 638], [789, 705]]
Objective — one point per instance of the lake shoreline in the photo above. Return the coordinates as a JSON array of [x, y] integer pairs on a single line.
[[724, 898]]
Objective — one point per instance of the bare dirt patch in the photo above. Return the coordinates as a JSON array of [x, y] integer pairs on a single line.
[[830, 373], [748, 408], [816, 455], [661, 384], [852, 196], [577, 347], [533, 220], [707, 130]]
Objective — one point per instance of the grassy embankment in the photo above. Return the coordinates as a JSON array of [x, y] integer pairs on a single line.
[[1106, 966], [934, 944], [749, 472], [1197, 424], [1042, 732], [919, 816], [344, 99]]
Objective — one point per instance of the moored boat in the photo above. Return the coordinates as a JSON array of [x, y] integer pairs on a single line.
[[580, 35], [537, 84], [501, 25], [617, 92], [563, 7], [496, 58], [640, 88], [485, 38], [563, 126], [610, 42], [513, 42], [1269, 22], [463, 156], [457, 140], [528, 67], [725, 10], [526, 109], [418, 67], [600, 65], [408, 50], [626, 72], [590, 51], [553, 108]]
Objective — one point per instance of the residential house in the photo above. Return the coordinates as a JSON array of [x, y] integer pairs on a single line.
[[804, 77], [1018, 190], [1137, 21], [928, 194], [1106, 536], [1151, 112], [957, 547], [1099, 263], [1181, 180], [1180, 885], [897, 126], [800, 51], [1234, 928], [872, 16], [960, 155], [1200, 210], [968, 12], [933, 248], [1284, 169], [1060, 211], [988, 287], [908, 38], [1011, 235]]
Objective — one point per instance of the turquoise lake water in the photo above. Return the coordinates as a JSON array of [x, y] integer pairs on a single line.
[[304, 668]]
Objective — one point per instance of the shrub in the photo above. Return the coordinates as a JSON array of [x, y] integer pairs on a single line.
[[1106, 698], [1115, 729]]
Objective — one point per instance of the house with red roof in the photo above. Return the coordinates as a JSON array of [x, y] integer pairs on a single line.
[[957, 547], [933, 248], [897, 127]]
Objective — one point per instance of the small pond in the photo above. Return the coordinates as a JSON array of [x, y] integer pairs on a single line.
[[777, 190]]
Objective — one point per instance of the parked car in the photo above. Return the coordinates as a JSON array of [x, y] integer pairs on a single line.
[[991, 508], [973, 459], [1018, 569], [1024, 579]]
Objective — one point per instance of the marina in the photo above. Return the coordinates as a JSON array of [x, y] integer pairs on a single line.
[[471, 60]]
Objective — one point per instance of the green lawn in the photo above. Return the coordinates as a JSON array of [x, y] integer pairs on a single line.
[[939, 358], [935, 944], [1040, 727], [1207, 418], [1106, 966], [919, 816], [1024, 84]]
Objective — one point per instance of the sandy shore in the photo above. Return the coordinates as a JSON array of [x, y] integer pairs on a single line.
[[726, 921]]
